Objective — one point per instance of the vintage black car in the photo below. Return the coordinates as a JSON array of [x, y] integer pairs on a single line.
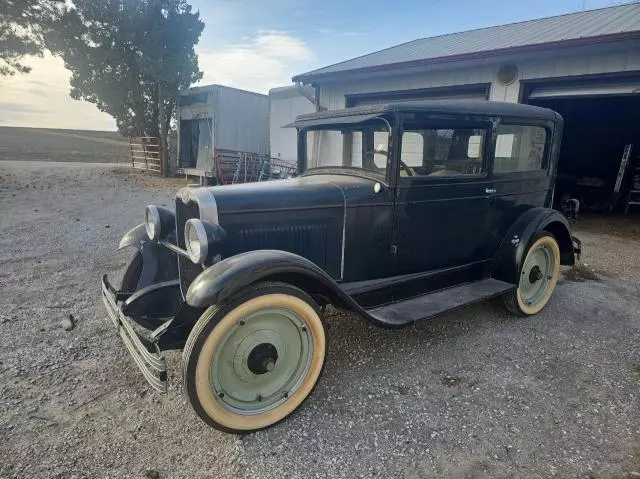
[[399, 213]]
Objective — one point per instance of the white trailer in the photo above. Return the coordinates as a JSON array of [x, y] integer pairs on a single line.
[[223, 133]]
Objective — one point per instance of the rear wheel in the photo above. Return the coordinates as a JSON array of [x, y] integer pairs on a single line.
[[538, 277], [250, 362]]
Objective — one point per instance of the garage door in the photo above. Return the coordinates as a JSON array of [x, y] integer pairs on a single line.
[[582, 89], [464, 92], [601, 117]]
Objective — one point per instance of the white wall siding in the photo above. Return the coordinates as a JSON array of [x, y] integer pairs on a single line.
[[284, 108], [332, 96], [509, 93], [607, 58]]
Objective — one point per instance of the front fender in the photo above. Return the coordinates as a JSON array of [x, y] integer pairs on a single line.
[[134, 237], [153, 264], [512, 250], [228, 276], [231, 275]]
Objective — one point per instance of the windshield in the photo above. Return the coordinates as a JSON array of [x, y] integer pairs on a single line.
[[356, 148]]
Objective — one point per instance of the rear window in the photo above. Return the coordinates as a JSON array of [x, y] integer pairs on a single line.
[[519, 148]]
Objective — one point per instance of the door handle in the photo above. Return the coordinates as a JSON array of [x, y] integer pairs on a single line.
[[489, 191]]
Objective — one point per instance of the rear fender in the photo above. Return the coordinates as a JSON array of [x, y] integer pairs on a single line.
[[511, 253]]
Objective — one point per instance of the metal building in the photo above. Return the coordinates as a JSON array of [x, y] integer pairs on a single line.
[[223, 133], [585, 65]]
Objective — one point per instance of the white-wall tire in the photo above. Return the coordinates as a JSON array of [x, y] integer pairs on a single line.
[[217, 360], [538, 277]]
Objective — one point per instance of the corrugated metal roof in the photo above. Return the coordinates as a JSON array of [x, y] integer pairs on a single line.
[[611, 21], [291, 91], [214, 87], [461, 107]]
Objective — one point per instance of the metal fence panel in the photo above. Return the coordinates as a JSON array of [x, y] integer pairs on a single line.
[[145, 153]]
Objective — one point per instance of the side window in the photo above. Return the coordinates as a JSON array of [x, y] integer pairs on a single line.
[[412, 148], [380, 147], [323, 148], [451, 151], [519, 148], [354, 156], [367, 149]]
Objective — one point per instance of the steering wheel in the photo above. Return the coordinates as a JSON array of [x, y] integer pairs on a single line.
[[406, 168], [403, 165], [372, 153]]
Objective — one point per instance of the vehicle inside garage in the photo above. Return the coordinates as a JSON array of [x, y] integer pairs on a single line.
[[600, 124]]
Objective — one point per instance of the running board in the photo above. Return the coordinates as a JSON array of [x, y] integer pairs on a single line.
[[429, 305]]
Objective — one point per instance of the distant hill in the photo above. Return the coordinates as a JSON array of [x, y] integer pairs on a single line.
[[62, 145]]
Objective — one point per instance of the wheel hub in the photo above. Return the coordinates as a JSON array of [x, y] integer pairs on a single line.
[[261, 361], [537, 273]]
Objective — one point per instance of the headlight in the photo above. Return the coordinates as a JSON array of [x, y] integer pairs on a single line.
[[158, 222], [198, 235], [152, 222], [195, 238]]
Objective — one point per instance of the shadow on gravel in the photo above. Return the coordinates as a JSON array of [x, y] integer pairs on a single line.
[[454, 325], [580, 273]]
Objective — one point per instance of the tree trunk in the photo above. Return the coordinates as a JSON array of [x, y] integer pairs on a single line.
[[164, 133]]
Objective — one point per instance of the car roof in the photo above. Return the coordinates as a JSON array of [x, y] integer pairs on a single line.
[[458, 107]]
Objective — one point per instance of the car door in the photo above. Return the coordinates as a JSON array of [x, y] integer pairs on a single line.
[[521, 173], [443, 196]]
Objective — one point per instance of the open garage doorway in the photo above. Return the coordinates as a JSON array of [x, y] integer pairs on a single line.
[[596, 131]]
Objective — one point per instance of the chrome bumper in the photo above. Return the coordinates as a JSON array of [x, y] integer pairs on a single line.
[[145, 353]]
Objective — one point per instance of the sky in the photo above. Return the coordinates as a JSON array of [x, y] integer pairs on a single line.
[[257, 45]]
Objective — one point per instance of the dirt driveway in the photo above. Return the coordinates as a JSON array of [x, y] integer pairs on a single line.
[[474, 393]]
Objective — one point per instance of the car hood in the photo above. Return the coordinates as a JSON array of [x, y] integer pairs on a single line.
[[305, 215], [306, 192]]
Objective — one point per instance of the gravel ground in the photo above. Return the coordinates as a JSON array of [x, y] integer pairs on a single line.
[[474, 393]]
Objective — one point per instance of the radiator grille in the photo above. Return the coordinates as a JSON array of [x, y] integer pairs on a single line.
[[188, 270]]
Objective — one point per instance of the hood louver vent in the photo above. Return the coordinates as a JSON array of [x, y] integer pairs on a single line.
[[308, 241]]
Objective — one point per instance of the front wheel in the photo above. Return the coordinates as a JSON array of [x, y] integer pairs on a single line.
[[538, 277], [252, 361]]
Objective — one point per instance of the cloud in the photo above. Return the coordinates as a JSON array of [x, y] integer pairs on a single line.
[[268, 59], [14, 107], [281, 45], [41, 99]]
